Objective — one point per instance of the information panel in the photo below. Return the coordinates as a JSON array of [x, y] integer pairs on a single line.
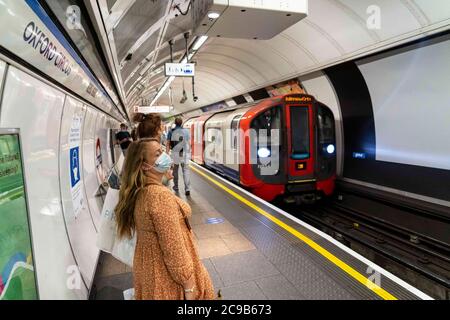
[[180, 69], [75, 164], [17, 273]]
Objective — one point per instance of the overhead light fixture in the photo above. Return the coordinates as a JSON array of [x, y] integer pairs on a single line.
[[199, 43], [162, 90], [213, 15]]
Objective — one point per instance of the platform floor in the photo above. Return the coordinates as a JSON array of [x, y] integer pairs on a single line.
[[253, 252]]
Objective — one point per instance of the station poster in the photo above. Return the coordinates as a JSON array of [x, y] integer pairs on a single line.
[[289, 87], [17, 272], [75, 165]]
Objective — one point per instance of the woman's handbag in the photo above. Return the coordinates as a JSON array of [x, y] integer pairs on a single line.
[[107, 240], [123, 250], [108, 228]]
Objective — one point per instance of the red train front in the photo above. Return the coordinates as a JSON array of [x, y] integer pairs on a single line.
[[282, 147]]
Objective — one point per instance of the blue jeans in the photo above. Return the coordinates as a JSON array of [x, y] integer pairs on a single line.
[[186, 176]]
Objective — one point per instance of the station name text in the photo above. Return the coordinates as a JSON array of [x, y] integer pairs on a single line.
[[41, 42]]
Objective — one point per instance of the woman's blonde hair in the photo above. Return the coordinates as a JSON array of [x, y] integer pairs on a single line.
[[132, 182]]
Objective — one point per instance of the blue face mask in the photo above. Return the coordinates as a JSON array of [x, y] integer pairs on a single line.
[[164, 163]]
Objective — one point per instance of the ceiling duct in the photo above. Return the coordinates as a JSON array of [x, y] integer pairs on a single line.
[[246, 19]]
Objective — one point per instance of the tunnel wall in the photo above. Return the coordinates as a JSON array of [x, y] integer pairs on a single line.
[[64, 225], [396, 118]]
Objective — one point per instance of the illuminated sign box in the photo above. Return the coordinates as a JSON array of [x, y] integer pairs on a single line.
[[180, 69], [155, 109], [359, 155]]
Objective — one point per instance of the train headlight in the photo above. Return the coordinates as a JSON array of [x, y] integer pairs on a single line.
[[263, 153], [331, 149]]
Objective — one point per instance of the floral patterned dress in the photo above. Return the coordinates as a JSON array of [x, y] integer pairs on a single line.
[[166, 254]]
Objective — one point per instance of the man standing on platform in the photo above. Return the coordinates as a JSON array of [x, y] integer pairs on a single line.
[[123, 138], [178, 141]]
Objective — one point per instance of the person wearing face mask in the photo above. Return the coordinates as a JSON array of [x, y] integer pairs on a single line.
[[166, 261]]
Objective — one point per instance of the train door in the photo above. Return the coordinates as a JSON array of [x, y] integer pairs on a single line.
[[267, 147], [301, 153], [233, 155], [326, 143]]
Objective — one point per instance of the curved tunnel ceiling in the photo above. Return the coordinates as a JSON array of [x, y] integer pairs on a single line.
[[334, 31]]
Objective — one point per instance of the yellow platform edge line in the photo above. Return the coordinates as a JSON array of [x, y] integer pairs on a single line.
[[325, 253]]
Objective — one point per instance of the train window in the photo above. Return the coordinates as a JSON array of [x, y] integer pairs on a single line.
[[235, 132], [195, 132], [326, 156], [300, 133], [326, 125], [269, 120], [199, 132], [268, 143]]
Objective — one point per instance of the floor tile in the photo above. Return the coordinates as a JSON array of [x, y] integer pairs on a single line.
[[243, 291], [212, 247], [242, 267], [237, 243], [278, 288], [214, 230], [217, 281], [108, 266]]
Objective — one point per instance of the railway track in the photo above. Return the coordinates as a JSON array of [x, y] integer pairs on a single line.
[[401, 246]]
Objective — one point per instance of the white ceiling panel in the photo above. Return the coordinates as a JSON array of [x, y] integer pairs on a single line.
[[435, 10], [340, 24], [335, 30]]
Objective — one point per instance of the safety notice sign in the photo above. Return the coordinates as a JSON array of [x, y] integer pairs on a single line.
[[75, 164]]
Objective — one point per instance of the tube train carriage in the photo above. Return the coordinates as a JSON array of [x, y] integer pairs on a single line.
[[282, 147]]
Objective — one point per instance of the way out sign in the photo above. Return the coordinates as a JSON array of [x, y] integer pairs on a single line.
[[180, 69]]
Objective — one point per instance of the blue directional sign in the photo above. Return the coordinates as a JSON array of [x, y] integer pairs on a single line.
[[180, 69], [214, 221], [75, 166], [359, 155]]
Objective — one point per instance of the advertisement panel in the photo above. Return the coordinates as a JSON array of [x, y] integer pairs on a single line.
[[17, 272], [289, 87], [75, 164]]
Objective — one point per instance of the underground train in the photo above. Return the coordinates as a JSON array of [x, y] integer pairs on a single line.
[[278, 148]]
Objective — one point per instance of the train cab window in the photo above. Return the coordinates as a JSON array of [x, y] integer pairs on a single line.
[[235, 132], [266, 148], [326, 125], [300, 146], [326, 138], [269, 120]]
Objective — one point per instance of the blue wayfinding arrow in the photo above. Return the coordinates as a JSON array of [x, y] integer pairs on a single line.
[[214, 220]]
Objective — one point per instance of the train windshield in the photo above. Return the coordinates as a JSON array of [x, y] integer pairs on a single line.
[[266, 145], [300, 133], [326, 125]]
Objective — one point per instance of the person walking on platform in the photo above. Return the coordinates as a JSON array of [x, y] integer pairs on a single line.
[[178, 141], [123, 138], [166, 263]]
